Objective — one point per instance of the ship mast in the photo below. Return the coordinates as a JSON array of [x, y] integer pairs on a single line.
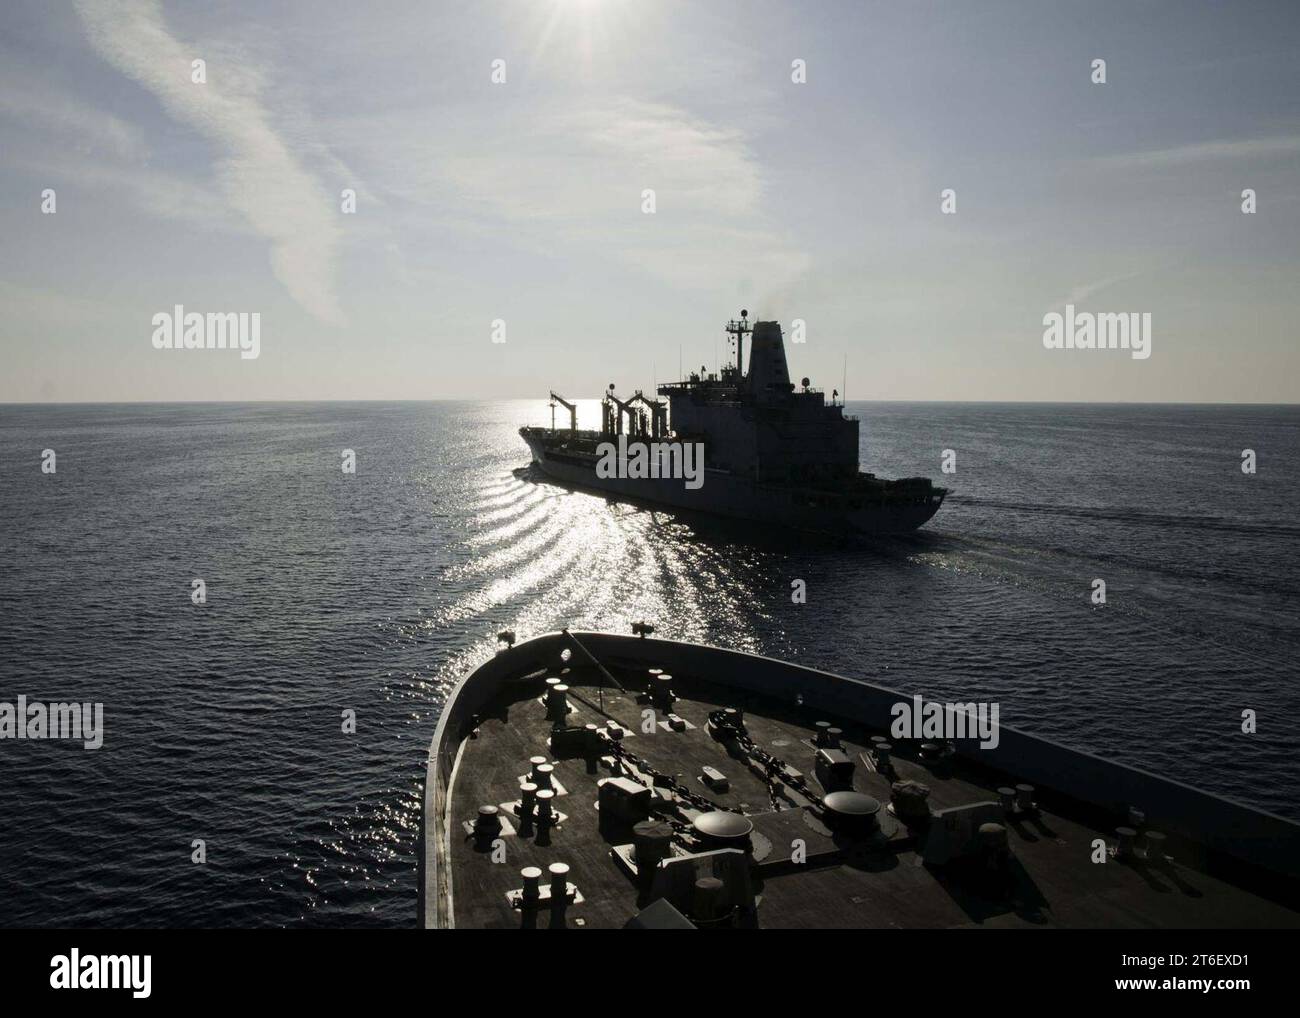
[[738, 329]]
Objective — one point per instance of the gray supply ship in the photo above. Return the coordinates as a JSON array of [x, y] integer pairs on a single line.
[[607, 781], [763, 449]]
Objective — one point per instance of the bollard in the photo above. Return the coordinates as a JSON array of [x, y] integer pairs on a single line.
[[527, 801], [557, 704], [488, 824], [559, 882], [544, 815], [532, 885], [707, 900]]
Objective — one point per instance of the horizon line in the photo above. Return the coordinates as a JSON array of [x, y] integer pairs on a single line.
[[542, 399]]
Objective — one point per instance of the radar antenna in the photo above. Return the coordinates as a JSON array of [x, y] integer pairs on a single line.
[[738, 330]]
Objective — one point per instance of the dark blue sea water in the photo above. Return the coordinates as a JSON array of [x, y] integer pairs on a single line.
[[375, 592]]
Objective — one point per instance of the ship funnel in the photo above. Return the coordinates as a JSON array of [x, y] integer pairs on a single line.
[[769, 376]]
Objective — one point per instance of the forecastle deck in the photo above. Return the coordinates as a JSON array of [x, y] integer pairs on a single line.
[[801, 868]]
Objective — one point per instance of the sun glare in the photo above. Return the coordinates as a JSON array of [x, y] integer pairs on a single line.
[[585, 25]]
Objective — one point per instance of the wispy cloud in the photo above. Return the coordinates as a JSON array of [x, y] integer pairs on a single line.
[[258, 172], [47, 108], [1083, 291], [574, 177], [1086, 290], [1186, 155], [156, 193], [577, 164], [57, 136]]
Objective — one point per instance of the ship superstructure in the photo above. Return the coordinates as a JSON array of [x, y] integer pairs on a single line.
[[772, 451]]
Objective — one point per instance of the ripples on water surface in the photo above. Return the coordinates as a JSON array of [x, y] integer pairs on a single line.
[[377, 592]]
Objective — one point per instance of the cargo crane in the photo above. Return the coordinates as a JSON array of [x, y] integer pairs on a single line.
[[658, 414], [573, 410], [613, 411]]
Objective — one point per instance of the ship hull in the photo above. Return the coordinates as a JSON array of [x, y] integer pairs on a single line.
[[736, 497]]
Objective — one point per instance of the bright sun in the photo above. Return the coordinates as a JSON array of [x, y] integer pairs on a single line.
[[586, 23]]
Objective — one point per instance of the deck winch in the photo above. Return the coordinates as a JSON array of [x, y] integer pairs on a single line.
[[727, 724], [721, 829], [852, 813]]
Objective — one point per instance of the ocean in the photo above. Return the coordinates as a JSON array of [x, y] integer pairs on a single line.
[[372, 593]]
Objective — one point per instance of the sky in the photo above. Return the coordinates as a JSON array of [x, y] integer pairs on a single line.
[[523, 201]]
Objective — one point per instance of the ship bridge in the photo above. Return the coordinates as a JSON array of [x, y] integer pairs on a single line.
[[756, 422]]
